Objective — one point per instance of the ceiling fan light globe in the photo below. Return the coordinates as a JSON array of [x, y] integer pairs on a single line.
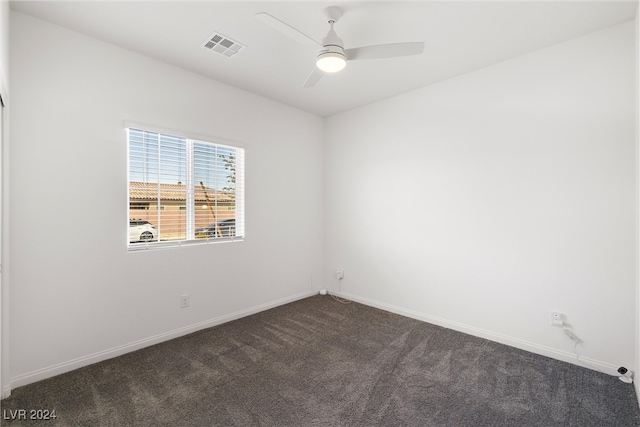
[[331, 62]]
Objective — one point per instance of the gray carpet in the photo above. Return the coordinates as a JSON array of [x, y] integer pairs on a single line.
[[317, 362]]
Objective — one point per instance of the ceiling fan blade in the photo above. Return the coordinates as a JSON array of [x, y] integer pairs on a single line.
[[385, 51], [314, 77], [286, 29]]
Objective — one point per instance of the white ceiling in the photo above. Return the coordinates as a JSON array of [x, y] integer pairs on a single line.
[[459, 37]]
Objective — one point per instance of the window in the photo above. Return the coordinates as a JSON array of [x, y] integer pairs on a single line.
[[183, 190]]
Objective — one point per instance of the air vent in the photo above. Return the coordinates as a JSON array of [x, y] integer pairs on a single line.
[[223, 45]]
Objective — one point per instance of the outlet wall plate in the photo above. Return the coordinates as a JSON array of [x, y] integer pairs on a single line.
[[557, 318], [184, 301]]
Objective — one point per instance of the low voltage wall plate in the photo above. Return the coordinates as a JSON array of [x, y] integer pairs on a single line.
[[557, 319]]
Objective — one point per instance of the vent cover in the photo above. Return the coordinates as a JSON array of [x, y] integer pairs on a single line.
[[223, 45]]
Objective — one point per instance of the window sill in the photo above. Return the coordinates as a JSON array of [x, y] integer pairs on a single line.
[[170, 244]]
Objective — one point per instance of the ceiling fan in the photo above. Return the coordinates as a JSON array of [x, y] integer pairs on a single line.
[[332, 56]]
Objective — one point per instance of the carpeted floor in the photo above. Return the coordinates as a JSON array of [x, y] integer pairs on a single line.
[[317, 362]]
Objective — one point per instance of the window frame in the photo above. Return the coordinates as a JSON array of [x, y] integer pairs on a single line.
[[239, 217]]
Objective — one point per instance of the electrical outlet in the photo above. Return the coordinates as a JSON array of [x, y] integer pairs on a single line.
[[557, 319], [184, 301]]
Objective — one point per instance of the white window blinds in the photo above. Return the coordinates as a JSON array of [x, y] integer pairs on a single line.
[[182, 190]]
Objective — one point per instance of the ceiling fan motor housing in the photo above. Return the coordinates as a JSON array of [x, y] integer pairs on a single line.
[[332, 58]]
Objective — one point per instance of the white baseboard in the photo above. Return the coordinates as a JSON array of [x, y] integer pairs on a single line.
[[61, 368], [553, 353]]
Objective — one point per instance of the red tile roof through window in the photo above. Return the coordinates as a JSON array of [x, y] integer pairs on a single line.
[[174, 192]]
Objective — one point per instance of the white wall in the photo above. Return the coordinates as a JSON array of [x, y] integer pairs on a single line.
[[4, 46], [77, 295], [5, 389], [485, 202], [637, 146]]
